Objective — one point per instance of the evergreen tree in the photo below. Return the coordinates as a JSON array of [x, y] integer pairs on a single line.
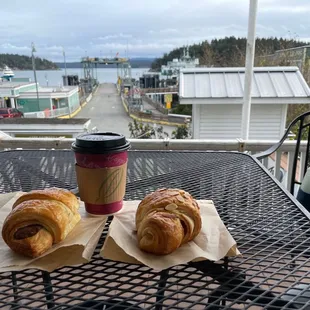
[[22, 62], [228, 51]]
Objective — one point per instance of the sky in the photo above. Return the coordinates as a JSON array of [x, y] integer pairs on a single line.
[[138, 28]]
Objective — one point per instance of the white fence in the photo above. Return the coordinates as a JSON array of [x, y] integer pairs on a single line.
[[47, 114], [249, 146]]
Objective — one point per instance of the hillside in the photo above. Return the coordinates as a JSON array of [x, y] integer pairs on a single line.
[[227, 52], [135, 63], [230, 52], [21, 62]]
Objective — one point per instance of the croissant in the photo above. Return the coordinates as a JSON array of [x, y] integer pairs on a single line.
[[166, 219], [40, 219]]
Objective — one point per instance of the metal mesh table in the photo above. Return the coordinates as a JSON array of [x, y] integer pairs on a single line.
[[272, 233]]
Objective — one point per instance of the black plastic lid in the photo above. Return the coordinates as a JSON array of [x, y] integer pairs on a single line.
[[100, 142]]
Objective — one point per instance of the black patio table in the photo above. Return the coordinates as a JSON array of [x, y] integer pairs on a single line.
[[270, 227]]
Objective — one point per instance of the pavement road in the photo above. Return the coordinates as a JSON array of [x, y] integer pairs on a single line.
[[107, 112]]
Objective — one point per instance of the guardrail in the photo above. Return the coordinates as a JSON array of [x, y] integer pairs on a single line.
[[158, 106], [160, 90], [161, 118], [286, 151]]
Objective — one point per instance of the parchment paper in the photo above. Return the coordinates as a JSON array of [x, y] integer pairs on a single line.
[[76, 249], [213, 243]]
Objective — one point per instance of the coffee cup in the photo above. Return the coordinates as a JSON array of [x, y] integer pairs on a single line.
[[101, 170]]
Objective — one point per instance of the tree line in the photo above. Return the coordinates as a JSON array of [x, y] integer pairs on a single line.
[[22, 62], [228, 51]]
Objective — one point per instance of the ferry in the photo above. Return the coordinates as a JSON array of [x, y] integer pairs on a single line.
[[7, 73]]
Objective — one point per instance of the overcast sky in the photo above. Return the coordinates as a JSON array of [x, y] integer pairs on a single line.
[[150, 28]]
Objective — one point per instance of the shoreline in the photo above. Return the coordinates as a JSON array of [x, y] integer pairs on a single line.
[[59, 69]]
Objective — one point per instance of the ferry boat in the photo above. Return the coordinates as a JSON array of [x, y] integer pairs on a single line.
[[7, 73], [172, 69]]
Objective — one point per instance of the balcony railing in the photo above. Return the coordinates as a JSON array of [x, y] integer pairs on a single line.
[[280, 164]]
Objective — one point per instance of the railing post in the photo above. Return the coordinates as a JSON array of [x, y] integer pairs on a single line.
[[302, 165], [241, 145], [166, 143], [277, 165], [265, 162], [290, 160]]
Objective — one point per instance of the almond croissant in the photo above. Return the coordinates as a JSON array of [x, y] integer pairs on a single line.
[[166, 219], [39, 219]]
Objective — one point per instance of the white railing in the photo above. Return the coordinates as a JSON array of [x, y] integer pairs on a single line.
[[39, 114], [59, 112], [251, 146], [47, 114]]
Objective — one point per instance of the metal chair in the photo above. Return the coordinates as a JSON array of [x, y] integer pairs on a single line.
[[299, 293], [304, 126]]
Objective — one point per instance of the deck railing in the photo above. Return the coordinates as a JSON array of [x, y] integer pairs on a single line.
[[280, 164]]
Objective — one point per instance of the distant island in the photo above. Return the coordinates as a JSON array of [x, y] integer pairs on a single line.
[[138, 62], [21, 62]]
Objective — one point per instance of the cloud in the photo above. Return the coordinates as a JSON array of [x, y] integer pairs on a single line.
[[296, 9], [151, 28], [115, 36], [161, 31], [9, 46]]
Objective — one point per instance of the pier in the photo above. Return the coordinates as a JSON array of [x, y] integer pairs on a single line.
[[106, 110]]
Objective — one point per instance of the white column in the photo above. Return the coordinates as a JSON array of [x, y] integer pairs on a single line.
[[12, 102], [249, 61]]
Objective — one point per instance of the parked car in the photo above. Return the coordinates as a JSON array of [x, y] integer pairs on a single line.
[[10, 112]]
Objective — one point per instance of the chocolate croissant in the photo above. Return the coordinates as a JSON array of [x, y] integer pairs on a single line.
[[40, 219], [166, 219]]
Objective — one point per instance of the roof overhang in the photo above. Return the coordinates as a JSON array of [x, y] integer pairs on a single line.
[[270, 85], [294, 100]]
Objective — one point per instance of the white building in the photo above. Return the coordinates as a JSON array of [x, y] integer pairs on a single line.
[[49, 98], [217, 97], [23, 95], [10, 92]]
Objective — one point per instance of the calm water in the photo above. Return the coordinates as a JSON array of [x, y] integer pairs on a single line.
[[54, 77]]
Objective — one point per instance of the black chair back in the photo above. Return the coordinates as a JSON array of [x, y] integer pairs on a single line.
[[302, 124]]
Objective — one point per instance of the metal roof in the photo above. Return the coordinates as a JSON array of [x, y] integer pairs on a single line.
[[7, 84], [43, 121], [268, 82], [51, 89]]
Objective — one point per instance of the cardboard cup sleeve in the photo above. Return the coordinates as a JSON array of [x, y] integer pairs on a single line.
[[102, 185]]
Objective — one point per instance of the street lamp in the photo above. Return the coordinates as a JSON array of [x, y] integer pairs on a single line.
[[33, 50], [46, 80], [64, 54]]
